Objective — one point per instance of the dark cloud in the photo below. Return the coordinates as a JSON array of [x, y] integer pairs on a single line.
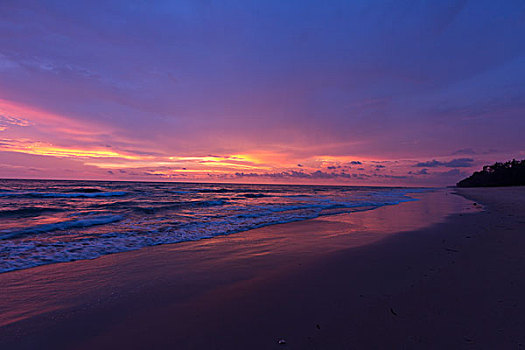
[[423, 171], [451, 172], [319, 175], [464, 151], [360, 176], [454, 163], [391, 176], [300, 175]]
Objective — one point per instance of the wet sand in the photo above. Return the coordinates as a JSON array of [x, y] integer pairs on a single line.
[[433, 273]]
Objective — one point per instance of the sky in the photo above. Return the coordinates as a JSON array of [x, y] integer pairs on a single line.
[[412, 93]]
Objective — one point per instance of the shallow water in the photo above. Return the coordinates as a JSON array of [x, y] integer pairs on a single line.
[[44, 222]]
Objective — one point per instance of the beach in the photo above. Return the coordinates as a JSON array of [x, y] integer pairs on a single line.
[[443, 271]]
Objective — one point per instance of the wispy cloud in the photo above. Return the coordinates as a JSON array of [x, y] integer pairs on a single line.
[[7, 121], [464, 151], [454, 163]]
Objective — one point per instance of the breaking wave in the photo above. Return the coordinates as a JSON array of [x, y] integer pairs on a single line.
[[45, 222]]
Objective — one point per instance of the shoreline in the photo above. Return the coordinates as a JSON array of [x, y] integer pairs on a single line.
[[133, 221], [322, 216], [249, 289]]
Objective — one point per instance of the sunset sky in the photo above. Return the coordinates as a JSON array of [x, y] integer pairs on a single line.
[[337, 92]]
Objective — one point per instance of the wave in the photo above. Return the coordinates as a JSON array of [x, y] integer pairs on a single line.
[[62, 195], [63, 225], [298, 196], [254, 195], [179, 205], [226, 190], [113, 205], [157, 214], [247, 193], [85, 190], [27, 211]]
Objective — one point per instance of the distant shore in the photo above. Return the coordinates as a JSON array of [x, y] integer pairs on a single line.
[[433, 273]]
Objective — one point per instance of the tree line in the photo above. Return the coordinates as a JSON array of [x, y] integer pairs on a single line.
[[511, 173]]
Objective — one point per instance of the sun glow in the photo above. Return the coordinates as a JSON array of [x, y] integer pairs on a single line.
[[43, 149]]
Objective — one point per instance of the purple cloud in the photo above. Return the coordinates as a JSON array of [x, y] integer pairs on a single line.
[[419, 172], [454, 163]]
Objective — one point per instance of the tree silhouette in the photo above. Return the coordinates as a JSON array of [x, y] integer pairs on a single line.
[[511, 173]]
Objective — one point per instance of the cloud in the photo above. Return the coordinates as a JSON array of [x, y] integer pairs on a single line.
[[423, 171], [319, 175], [454, 163], [390, 176], [464, 151], [299, 175], [451, 172], [7, 121]]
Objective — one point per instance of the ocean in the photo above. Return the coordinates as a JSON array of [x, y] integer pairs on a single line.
[[45, 222]]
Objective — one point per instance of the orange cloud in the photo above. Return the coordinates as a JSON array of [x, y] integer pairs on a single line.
[[45, 149]]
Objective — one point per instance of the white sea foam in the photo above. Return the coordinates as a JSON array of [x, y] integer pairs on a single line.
[[63, 225]]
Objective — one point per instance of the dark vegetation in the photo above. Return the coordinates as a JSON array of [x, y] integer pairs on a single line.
[[511, 173]]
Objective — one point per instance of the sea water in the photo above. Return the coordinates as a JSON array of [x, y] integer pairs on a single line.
[[44, 222]]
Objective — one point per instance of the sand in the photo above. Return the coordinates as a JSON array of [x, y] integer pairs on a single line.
[[434, 273]]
